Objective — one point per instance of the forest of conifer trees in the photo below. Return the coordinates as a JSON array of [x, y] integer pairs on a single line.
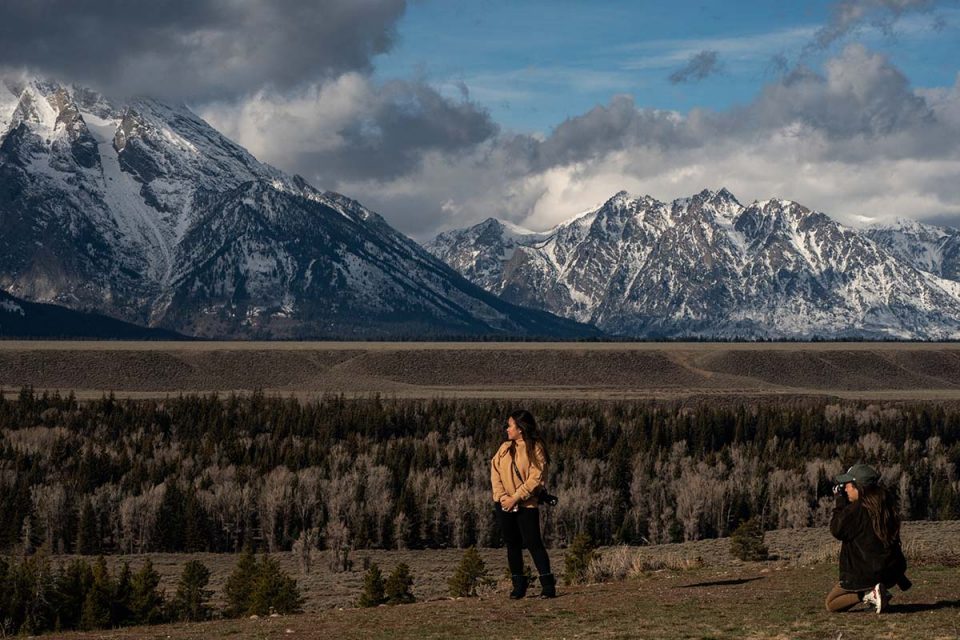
[[209, 473]]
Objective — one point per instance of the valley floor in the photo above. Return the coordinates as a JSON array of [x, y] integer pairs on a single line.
[[606, 370]]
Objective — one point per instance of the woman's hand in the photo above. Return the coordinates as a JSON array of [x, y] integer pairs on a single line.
[[507, 503]]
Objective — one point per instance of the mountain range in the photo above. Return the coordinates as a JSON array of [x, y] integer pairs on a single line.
[[145, 213], [708, 266]]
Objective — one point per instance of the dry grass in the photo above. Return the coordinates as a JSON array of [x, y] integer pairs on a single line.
[[737, 602], [520, 370], [925, 543], [691, 590]]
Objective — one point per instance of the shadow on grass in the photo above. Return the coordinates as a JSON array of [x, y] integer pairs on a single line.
[[916, 607], [720, 583]]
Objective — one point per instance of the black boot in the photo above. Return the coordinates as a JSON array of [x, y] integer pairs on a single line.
[[548, 586], [520, 584]]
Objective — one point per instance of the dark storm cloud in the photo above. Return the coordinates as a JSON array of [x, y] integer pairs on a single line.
[[353, 128], [195, 49], [700, 66], [407, 119], [613, 127]]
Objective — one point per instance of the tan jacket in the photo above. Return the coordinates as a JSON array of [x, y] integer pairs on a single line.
[[504, 479]]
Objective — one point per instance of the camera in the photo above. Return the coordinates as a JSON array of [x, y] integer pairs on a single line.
[[546, 497], [838, 489]]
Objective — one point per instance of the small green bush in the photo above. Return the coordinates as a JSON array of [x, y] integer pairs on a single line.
[[399, 586], [373, 587], [274, 591], [577, 560], [746, 543], [471, 573]]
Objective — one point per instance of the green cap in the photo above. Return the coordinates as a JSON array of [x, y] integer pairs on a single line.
[[860, 474]]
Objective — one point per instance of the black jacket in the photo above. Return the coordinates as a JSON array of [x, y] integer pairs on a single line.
[[864, 559]]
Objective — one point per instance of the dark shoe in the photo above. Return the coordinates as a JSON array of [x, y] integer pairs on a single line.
[[520, 584], [548, 586]]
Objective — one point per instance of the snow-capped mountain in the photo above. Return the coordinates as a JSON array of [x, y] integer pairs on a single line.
[[146, 213], [479, 252], [709, 266]]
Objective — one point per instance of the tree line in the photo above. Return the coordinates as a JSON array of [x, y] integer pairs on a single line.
[[35, 596], [212, 473]]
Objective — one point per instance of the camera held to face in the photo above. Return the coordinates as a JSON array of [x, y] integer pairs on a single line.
[[839, 489]]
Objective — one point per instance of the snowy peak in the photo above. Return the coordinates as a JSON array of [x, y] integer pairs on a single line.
[[708, 266], [144, 212]]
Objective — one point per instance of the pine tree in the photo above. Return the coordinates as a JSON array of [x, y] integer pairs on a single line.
[[146, 600], [30, 590], [96, 605], [190, 601], [73, 583], [470, 574], [399, 585], [120, 614], [170, 535], [274, 590], [373, 588], [240, 584], [196, 529], [88, 538]]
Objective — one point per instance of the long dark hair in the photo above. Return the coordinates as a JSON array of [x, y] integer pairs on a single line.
[[531, 433], [882, 506]]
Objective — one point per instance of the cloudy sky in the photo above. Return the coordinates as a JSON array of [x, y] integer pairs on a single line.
[[440, 113]]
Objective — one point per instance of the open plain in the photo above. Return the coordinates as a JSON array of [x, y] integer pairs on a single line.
[[609, 370]]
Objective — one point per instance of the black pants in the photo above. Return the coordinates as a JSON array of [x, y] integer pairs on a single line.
[[521, 528]]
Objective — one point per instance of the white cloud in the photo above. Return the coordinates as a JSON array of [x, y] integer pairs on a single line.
[[855, 141]]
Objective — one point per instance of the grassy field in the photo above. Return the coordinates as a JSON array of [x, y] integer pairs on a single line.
[[483, 370], [690, 590], [745, 602]]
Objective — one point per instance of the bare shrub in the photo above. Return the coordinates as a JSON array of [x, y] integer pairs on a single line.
[[337, 538], [304, 548]]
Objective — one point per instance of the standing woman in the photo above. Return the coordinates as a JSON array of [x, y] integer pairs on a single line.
[[516, 472], [867, 522]]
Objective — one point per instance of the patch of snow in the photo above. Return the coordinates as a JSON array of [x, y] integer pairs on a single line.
[[139, 223]]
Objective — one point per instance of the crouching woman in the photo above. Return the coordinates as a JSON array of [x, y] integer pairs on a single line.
[[517, 472], [866, 521]]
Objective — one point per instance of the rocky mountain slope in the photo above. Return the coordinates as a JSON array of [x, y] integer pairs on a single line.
[[145, 213], [709, 266]]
